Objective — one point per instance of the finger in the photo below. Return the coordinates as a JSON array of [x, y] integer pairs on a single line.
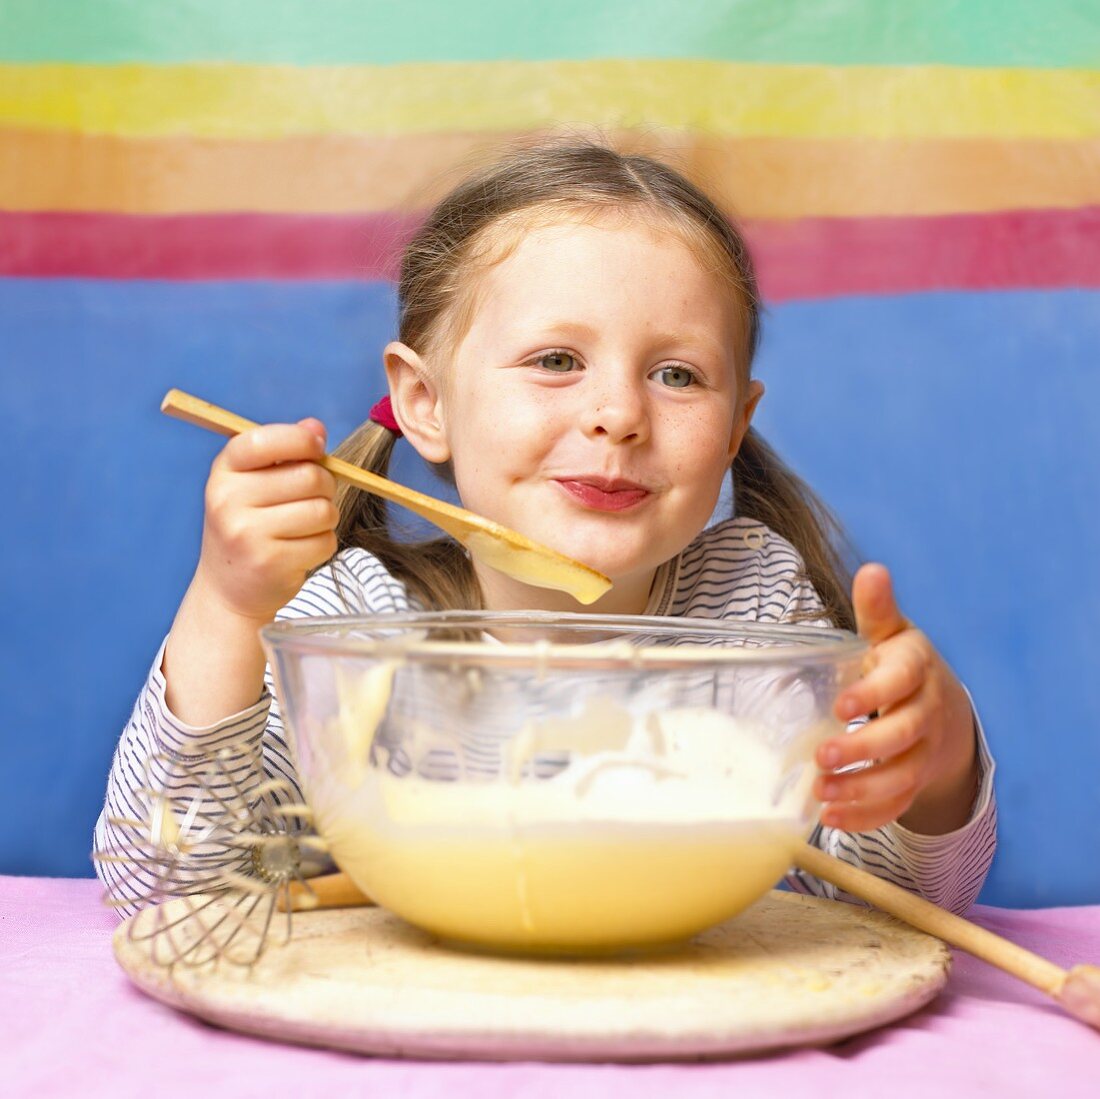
[[877, 613], [882, 782], [282, 484], [299, 519], [309, 552], [311, 423], [898, 672], [292, 559], [269, 445], [881, 738], [864, 817]]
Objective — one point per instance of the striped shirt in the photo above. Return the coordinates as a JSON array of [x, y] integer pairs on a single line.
[[737, 570]]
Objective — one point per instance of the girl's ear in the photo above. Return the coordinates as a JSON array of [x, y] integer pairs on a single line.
[[741, 424], [416, 402]]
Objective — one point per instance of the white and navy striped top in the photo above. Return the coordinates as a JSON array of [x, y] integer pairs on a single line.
[[737, 570]]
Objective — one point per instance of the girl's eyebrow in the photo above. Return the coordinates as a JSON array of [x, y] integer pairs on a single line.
[[692, 342], [570, 329]]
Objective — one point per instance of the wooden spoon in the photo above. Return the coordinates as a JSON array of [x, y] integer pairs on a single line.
[[1077, 989], [494, 545]]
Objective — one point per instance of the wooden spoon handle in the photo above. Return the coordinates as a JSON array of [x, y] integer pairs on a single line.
[[194, 410], [1077, 990], [929, 917], [201, 413]]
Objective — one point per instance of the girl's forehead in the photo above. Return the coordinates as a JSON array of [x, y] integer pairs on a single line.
[[596, 230], [585, 264]]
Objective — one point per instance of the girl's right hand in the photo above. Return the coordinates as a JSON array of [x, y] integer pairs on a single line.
[[270, 519]]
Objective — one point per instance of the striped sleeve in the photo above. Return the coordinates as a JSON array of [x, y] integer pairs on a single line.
[[160, 757], [155, 758]]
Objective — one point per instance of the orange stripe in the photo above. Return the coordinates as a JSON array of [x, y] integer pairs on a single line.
[[776, 178]]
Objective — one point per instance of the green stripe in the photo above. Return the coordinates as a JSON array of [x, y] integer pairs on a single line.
[[1028, 33]]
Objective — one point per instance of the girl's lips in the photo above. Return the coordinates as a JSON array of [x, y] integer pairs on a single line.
[[605, 495]]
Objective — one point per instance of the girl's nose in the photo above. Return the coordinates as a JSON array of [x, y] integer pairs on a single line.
[[618, 412]]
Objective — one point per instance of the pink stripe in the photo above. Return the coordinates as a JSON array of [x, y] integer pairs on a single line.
[[810, 258], [202, 246], [826, 257]]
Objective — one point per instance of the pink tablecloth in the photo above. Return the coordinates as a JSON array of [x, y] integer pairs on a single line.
[[72, 1025]]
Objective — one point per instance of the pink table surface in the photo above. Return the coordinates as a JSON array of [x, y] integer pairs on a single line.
[[71, 1024]]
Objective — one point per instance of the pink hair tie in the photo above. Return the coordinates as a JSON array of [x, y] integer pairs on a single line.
[[382, 414]]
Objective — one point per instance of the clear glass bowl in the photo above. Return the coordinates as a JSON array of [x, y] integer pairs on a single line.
[[556, 782]]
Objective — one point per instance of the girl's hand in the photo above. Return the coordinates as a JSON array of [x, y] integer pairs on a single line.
[[921, 746], [269, 519]]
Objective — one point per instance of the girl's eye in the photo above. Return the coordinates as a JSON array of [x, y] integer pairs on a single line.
[[676, 377], [560, 362]]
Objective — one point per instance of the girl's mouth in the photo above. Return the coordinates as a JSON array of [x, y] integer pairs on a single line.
[[603, 495]]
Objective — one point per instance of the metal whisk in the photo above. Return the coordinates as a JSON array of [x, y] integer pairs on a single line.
[[198, 910]]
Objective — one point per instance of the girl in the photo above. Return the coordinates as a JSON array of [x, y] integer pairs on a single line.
[[577, 330]]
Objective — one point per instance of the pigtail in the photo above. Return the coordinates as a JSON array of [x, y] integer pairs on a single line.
[[437, 573], [766, 489]]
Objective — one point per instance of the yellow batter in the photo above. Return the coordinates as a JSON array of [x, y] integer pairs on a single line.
[[563, 888], [538, 565], [661, 826]]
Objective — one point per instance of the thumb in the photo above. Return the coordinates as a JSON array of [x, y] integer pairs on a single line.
[[316, 427], [877, 613]]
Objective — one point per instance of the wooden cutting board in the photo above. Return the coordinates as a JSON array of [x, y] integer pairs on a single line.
[[789, 971]]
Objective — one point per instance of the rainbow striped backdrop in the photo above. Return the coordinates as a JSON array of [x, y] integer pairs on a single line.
[[209, 194], [146, 154]]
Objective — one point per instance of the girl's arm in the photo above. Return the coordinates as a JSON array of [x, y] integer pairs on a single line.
[[269, 521], [161, 751], [909, 793]]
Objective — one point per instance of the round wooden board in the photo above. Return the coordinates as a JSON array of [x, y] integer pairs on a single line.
[[789, 971]]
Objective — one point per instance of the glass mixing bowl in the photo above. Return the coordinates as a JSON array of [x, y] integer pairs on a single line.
[[558, 782]]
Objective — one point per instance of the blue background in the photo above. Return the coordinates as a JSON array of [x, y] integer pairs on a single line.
[[955, 434]]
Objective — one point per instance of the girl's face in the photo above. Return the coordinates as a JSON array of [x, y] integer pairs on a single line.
[[593, 403]]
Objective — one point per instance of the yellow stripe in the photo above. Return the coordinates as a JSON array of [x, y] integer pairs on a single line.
[[270, 101]]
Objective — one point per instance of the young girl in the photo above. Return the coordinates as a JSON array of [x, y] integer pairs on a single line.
[[577, 331]]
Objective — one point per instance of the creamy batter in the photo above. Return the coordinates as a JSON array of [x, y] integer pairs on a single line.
[[662, 824]]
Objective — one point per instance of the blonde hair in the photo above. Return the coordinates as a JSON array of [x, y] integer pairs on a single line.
[[470, 230]]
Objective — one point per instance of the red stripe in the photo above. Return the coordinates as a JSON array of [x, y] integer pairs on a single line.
[[810, 258], [826, 257], [200, 246]]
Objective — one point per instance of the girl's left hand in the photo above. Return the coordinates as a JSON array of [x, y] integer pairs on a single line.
[[921, 746]]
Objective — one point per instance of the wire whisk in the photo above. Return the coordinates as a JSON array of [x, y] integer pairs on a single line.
[[210, 867]]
